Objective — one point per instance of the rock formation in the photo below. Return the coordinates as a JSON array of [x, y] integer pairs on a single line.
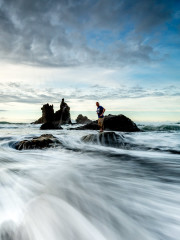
[[47, 114], [44, 141], [62, 116], [51, 120], [82, 119], [113, 123]]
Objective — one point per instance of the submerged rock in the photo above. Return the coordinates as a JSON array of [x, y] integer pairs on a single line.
[[44, 141], [104, 138], [114, 123], [82, 119]]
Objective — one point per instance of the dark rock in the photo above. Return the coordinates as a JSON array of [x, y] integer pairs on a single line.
[[113, 123], [62, 116], [104, 138], [44, 141], [50, 125], [39, 121], [82, 119], [47, 114]]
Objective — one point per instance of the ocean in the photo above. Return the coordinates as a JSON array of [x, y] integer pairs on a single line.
[[85, 191]]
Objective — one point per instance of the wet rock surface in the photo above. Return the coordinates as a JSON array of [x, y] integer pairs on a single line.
[[44, 141], [113, 123], [104, 138]]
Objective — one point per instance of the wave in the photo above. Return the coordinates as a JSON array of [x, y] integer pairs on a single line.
[[90, 190], [106, 142], [168, 127]]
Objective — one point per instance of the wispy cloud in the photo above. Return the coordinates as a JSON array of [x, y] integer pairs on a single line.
[[29, 95]]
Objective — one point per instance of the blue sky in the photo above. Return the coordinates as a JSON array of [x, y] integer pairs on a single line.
[[126, 54]]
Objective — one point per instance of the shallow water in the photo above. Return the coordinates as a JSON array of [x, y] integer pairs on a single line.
[[89, 191]]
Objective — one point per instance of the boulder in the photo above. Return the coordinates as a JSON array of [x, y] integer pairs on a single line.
[[112, 123], [82, 119], [104, 138], [44, 141]]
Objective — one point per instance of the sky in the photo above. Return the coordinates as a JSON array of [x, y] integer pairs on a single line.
[[123, 53]]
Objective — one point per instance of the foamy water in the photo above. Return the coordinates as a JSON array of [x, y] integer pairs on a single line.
[[87, 191]]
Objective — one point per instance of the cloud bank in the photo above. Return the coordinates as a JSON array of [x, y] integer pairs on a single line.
[[63, 33]]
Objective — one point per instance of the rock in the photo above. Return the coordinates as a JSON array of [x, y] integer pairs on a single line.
[[82, 119], [113, 123], [50, 125], [62, 116], [39, 121], [47, 114], [44, 141], [104, 138]]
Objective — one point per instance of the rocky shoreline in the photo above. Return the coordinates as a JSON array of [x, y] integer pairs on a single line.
[[51, 120]]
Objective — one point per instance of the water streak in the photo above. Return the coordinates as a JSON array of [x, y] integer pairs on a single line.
[[90, 191]]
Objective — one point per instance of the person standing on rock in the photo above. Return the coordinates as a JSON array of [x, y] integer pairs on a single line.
[[100, 112]]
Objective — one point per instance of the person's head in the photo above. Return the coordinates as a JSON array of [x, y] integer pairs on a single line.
[[97, 104]]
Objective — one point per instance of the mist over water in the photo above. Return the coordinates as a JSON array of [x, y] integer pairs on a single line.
[[90, 191]]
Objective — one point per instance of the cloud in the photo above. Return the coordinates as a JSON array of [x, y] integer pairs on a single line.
[[28, 95], [60, 33]]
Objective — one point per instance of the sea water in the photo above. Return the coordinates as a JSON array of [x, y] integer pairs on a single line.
[[86, 191]]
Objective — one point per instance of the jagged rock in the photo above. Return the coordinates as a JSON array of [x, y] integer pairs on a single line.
[[47, 114], [113, 123], [50, 125], [44, 141], [62, 116], [104, 138], [82, 119]]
